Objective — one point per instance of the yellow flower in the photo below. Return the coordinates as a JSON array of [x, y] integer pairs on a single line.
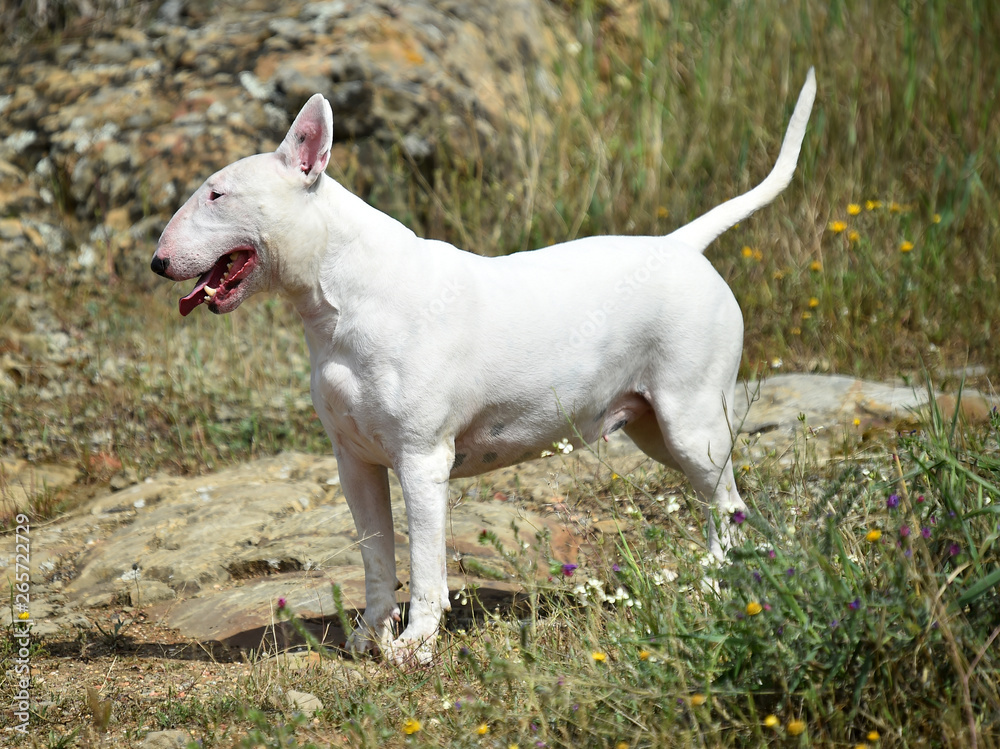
[[771, 721], [615, 477], [813, 302], [816, 265], [837, 226], [895, 207], [806, 315], [662, 212], [853, 209], [483, 729], [754, 608], [644, 655], [906, 246], [874, 535], [796, 330], [778, 275], [873, 736], [936, 218], [411, 726], [621, 745], [857, 422], [747, 251], [697, 700], [853, 236], [598, 656], [24, 616], [871, 205], [758, 255], [795, 727], [861, 746]]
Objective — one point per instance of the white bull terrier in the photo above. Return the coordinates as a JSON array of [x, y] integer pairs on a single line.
[[440, 363]]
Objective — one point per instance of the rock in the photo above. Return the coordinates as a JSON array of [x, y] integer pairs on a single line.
[[136, 116], [123, 479], [142, 593], [22, 482], [166, 740], [303, 702]]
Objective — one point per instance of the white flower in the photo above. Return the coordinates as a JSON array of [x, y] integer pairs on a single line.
[[564, 446], [776, 362], [547, 453]]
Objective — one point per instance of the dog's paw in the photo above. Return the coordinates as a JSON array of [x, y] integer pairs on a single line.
[[375, 634], [411, 649]]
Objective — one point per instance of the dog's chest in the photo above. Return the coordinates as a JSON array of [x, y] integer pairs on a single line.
[[349, 412]]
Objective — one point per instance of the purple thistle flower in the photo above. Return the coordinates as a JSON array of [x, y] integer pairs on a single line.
[[855, 604], [925, 532], [281, 604], [738, 517], [904, 531], [834, 624], [568, 569], [954, 550], [615, 568], [893, 502], [790, 571], [757, 576], [920, 498], [772, 554]]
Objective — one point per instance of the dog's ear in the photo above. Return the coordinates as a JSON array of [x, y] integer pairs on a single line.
[[306, 147]]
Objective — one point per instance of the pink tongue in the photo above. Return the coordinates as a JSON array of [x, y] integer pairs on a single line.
[[197, 296]]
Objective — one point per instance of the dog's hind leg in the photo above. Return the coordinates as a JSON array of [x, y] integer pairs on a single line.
[[698, 436], [645, 433]]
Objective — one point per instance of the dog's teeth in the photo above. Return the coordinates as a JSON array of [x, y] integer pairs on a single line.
[[210, 292]]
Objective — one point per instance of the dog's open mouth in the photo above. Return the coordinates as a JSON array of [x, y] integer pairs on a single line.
[[221, 279]]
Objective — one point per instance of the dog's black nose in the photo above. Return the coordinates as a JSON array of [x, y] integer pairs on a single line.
[[159, 265]]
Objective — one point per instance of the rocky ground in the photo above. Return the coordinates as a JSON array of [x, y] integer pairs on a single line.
[[180, 577], [210, 555]]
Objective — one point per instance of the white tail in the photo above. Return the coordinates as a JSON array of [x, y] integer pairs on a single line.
[[699, 233]]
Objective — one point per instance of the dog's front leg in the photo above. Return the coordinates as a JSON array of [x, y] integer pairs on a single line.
[[366, 488], [424, 479]]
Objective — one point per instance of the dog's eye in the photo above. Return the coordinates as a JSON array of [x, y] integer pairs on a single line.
[[214, 195]]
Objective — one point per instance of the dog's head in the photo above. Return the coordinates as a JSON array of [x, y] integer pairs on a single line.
[[230, 233]]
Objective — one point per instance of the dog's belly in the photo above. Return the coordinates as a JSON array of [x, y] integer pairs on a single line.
[[501, 438]]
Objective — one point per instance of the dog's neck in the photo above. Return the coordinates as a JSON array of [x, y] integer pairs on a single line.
[[348, 252]]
